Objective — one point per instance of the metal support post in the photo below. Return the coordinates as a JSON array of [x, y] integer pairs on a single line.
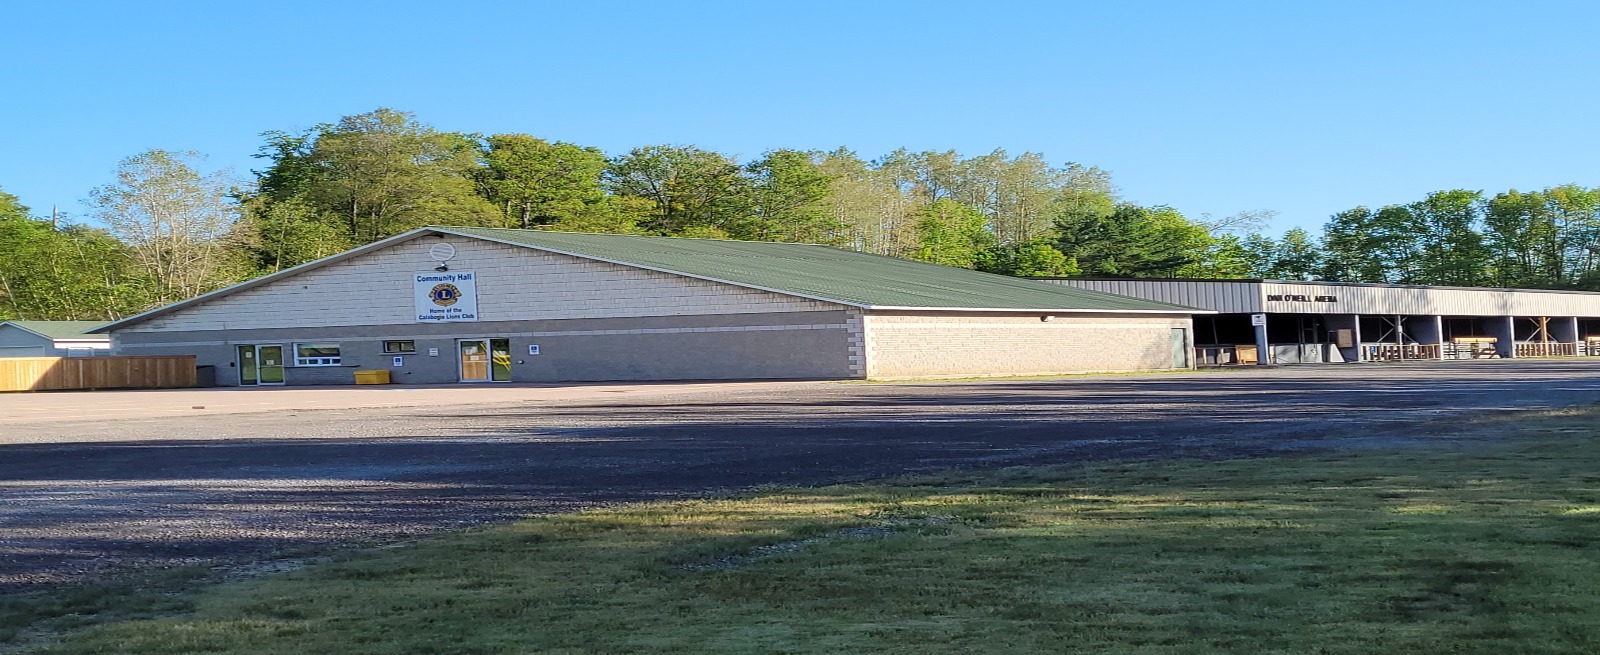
[[1438, 335], [1263, 350]]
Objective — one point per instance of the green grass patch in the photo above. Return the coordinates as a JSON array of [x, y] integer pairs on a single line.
[[149, 595], [1467, 549]]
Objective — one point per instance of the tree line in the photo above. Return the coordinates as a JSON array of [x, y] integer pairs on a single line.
[[166, 229]]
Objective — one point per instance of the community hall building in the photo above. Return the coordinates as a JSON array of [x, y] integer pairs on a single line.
[[446, 305], [1314, 322]]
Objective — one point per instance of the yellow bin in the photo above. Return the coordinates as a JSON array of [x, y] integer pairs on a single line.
[[380, 376]]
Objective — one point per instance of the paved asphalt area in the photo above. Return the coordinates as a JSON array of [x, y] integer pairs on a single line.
[[80, 500]]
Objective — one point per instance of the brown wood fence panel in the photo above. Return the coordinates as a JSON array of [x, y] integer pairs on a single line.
[[59, 373], [1547, 349]]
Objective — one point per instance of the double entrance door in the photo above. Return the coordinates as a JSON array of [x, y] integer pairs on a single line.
[[260, 365], [484, 360]]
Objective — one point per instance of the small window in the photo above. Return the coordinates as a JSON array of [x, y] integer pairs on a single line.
[[397, 347], [316, 354]]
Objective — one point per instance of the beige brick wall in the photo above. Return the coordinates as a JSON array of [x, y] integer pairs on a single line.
[[514, 283], [933, 344]]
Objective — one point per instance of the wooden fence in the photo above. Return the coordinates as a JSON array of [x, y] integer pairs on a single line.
[[1547, 349], [1395, 352], [57, 373]]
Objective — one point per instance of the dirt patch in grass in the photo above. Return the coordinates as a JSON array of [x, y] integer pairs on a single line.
[[1488, 549]]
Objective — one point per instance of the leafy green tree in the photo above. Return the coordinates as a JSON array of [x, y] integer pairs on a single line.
[[363, 178], [1260, 252], [273, 236], [874, 213], [11, 206], [1131, 240], [280, 224], [1548, 238], [953, 234], [612, 215], [1395, 243], [688, 187], [789, 193], [1517, 229], [1295, 257], [535, 182], [1448, 249], [62, 273], [927, 177], [1353, 251], [1228, 257], [291, 171], [384, 172], [1035, 258], [1019, 196], [1432, 241], [1571, 255], [175, 219]]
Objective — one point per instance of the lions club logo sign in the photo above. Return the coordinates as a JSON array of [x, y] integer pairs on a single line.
[[445, 295]]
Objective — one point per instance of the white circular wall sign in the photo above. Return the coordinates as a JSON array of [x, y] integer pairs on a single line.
[[442, 252]]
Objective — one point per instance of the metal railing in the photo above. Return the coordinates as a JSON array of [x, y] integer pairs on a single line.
[[1221, 355], [1246, 354], [1471, 350], [1216, 355]]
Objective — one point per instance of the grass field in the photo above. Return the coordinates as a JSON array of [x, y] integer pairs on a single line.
[[1471, 547]]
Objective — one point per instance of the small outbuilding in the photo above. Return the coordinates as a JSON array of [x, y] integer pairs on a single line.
[[52, 339], [443, 305]]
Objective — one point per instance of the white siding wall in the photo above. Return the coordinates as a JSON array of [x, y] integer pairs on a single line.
[[514, 283], [1429, 301]]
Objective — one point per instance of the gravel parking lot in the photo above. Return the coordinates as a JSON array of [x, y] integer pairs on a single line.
[[83, 498]]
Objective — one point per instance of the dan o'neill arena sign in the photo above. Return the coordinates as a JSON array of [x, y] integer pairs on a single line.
[[446, 297]]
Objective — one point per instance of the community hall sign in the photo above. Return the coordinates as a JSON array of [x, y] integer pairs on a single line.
[[446, 297]]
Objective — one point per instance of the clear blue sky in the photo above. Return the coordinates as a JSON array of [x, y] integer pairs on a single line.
[[1211, 107]]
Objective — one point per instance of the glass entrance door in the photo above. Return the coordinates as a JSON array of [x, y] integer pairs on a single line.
[[474, 360], [270, 358], [249, 375], [259, 365], [500, 360], [485, 360]]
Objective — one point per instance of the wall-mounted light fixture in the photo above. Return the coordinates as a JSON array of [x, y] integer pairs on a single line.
[[1047, 318], [441, 268]]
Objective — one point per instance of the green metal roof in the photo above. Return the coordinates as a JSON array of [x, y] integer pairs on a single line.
[[822, 272], [58, 329]]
